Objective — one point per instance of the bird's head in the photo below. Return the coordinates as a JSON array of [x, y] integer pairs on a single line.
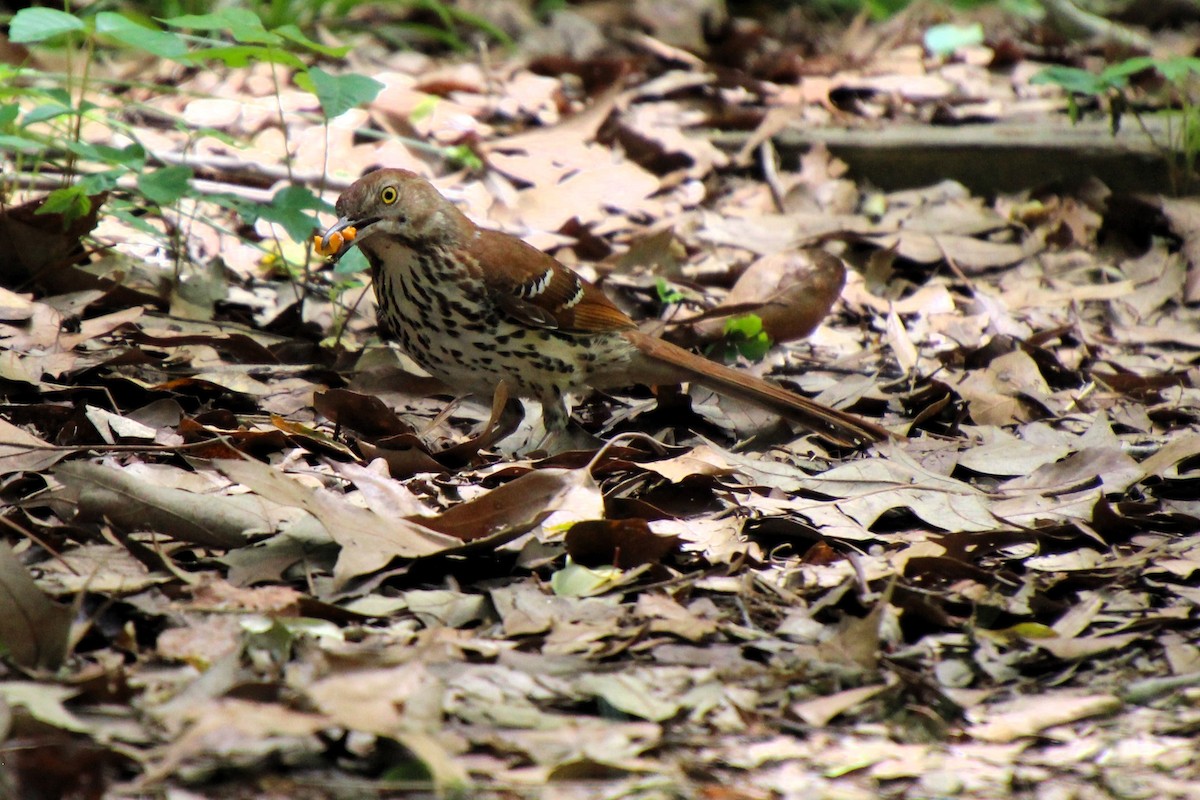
[[396, 202]]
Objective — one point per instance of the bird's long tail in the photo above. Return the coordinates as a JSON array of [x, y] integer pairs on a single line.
[[841, 427]]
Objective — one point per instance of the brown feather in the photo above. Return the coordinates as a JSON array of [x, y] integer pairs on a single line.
[[838, 425], [510, 267], [438, 275]]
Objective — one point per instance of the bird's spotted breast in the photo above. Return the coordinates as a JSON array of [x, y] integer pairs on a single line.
[[443, 317]]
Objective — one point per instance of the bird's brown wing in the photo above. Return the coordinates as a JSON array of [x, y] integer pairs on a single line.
[[537, 290]]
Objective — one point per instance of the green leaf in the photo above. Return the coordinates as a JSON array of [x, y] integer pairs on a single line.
[[340, 93], [241, 23], [131, 156], [40, 24], [16, 82], [1072, 109], [1115, 76], [241, 55], [156, 42], [576, 580], [448, 39], [463, 156], [1071, 79], [96, 182], [1179, 69], [45, 112], [746, 334], [352, 262], [134, 220], [165, 186], [22, 144], [213, 133], [289, 208], [72, 202], [477, 22], [424, 108], [755, 349], [8, 113], [745, 326], [59, 94], [1079, 81], [667, 294], [942, 40], [408, 770], [885, 9], [293, 34]]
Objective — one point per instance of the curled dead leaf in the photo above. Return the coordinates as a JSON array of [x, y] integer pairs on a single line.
[[33, 629], [793, 291], [624, 543]]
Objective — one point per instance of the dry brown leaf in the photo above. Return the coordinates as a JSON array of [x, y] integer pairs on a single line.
[[368, 541], [225, 724], [901, 343], [588, 194], [21, 451], [1075, 533], [386, 701], [100, 569], [970, 254], [791, 292], [33, 628], [702, 460], [1183, 215], [15, 307], [1004, 454], [1073, 649], [662, 126], [867, 488], [820, 711], [665, 615], [772, 233], [622, 543], [550, 498], [35, 246], [137, 505], [1028, 716]]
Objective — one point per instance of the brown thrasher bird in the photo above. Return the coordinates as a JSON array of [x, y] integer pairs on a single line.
[[475, 307]]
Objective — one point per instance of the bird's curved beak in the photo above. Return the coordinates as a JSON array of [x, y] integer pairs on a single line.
[[338, 237], [338, 227], [333, 240]]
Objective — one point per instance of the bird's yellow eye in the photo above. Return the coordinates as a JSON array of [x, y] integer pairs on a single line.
[[388, 195]]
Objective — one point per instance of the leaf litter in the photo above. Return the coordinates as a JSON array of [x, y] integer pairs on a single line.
[[238, 556]]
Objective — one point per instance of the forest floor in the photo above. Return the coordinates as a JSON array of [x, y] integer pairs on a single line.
[[248, 554]]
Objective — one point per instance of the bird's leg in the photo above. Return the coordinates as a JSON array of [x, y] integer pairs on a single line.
[[561, 435], [555, 415]]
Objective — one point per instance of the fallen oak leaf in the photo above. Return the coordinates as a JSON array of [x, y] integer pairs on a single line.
[[137, 505], [531, 500], [551, 498], [369, 541]]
